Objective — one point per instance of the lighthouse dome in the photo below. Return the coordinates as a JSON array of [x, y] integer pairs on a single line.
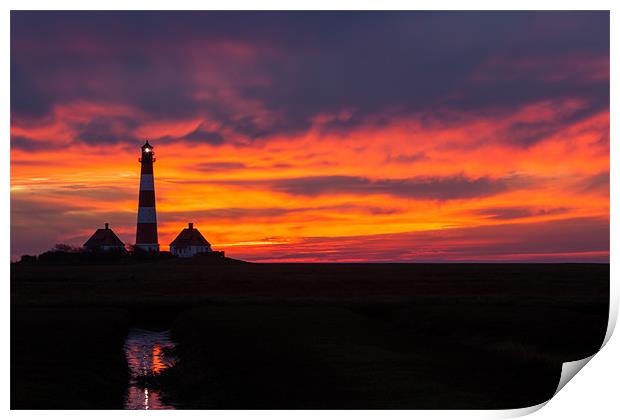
[[147, 148]]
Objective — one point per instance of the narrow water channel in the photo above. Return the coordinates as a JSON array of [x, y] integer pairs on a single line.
[[146, 355]]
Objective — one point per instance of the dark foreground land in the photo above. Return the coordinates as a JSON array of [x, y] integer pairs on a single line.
[[306, 335]]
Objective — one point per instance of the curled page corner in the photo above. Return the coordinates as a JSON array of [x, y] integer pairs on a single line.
[[570, 369], [613, 317], [520, 412]]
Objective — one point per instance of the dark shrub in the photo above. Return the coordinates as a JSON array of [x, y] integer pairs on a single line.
[[28, 259]]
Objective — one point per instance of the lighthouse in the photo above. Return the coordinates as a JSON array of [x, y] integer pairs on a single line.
[[146, 232]]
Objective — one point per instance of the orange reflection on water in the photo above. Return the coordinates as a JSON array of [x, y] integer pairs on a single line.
[[146, 356], [158, 362]]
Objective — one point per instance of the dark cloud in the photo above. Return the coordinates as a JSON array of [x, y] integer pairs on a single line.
[[232, 213], [243, 213], [236, 166], [551, 241], [603, 141], [107, 130], [595, 183], [427, 188], [31, 145], [379, 64], [102, 193], [509, 213], [529, 133], [422, 62], [407, 158], [23, 162], [453, 187], [27, 99], [219, 166], [201, 135]]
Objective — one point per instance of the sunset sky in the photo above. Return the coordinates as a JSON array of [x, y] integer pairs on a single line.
[[317, 136]]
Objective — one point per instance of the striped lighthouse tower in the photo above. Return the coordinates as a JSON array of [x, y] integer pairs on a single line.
[[146, 232]]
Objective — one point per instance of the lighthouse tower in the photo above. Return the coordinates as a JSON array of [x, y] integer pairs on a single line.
[[146, 232]]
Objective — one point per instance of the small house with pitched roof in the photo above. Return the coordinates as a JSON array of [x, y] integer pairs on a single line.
[[104, 240], [189, 242]]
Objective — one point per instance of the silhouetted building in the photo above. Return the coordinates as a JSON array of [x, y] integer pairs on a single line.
[[104, 240], [146, 230], [189, 242]]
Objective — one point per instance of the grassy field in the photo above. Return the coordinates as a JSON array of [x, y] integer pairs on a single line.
[[308, 335]]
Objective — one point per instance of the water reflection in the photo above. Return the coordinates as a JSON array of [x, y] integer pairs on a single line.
[[146, 355]]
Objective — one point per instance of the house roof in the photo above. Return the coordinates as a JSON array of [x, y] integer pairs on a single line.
[[103, 237], [190, 236]]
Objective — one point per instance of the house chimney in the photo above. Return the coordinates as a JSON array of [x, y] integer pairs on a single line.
[[191, 225], [106, 225]]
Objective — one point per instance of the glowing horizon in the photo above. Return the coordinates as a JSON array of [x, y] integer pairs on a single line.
[[364, 148]]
